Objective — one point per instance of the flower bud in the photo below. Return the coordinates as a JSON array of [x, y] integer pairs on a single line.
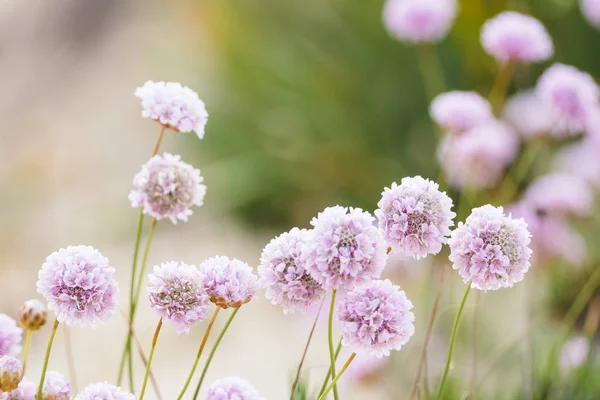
[[11, 373], [32, 315]]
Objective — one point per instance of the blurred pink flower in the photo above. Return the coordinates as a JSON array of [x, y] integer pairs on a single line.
[[459, 111], [419, 20], [25, 391], [11, 373], [591, 11], [232, 388], [10, 336], [56, 387], [574, 353], [581, 159], [365, 368], [104, 391], [560, 193], [529, 115]]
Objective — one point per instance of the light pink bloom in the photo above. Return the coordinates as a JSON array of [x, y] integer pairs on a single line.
[[56, 387], [366, 367], [591, 11], [459, 111], [104, 391], [33, 315], [574, 353], [581, 159], [10, 336], [11, 373], [561, 193], [228, 283], [419, 21], [530, 116], [25, 391], [232, 388]]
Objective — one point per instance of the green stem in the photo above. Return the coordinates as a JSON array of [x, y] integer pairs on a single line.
[[431, 70], [326, 381], [144, 264], [46, 359], [26, 348], [452, 340], [200, 350], [212, 352], [150, 356], [330, 339], [337, 378], [498, 92]]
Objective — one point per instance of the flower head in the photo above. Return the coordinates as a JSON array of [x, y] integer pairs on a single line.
[[366, 368], [344, 249], [229, 283], [591, 11], [56, 387], [459, 111], [25, 391], [166, 187], [104, 391], [571, 94], [32, 315], [79, 286], [174, 106], [176, 293], [491, 249], [418, 21], [561, 193], [514, 37], [581, 159], [11, 373], [10, 336], [232, 388], [415, 216], [530, 116], [376, 318], [282, 273], [574, 353]]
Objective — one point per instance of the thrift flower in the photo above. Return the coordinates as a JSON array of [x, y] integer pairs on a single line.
[[232, 388], [581, 159], [591, 11], [79, 286], [177, 294], [561, 193], [11, 373], [10, 336], [530, 116], [574, 353], [174, 106], [283, 275], [33, 315], [415, 216], [104, 391], [25, 391], [419, 21], [229, 283], [459, 111], [344, 248], [56, 387], [376, 318], [166, 187], [491, 249], [366, 369]]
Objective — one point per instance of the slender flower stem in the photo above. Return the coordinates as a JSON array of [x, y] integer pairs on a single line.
[[200, 350], [145, 362], [326, 381], [310, 335], [475, 344], [432, 75], [212, 352], [160, 136], [150, 356], [69, 356], [452, 340], [337, 378], [46, 359], [498, 92], [330, 339], [428, 333], [28, 334], [144, 264]]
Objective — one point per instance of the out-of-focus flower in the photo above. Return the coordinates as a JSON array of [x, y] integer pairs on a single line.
[[228, 283], [79, 286], [366, 368], [25, 391], [415, 216], [283, 275], [591, 11], [574, 353], [561, 193], [10, 336], [177, 293], [11, 373], [459, 111], [491, 249], [418, 21], [514, 37], [478, 157], [104, 391], [571, 94], [344, 249], [530, 116], [581, 159], [166, 187], [56, 387], [174, 106], [376, 318], [232, 388], [33, 315]]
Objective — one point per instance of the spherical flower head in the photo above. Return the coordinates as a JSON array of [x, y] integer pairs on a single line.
[[56, 387], [514, 37], [177, 294], [530, 116], [79, 286], [229, 283], [344, 249], [232, 388], [571, 94], [10, 336], [419, 21], [282, 273], [415, 216], [104, 391], [25, 391], [581, 159], [166, 187], [574, 353], [561, 193], [11, 373], [366, 368], [174, 106], [491, 249], [591, 11], [376, 318], [459, 111], [33, 315]]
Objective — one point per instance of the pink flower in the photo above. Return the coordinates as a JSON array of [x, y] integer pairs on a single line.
[[530, 116], [419, 20], [232, 388], [459, 111], [514, 37], [574, 353], [11, 373], [56, 387], [228, 283], [561, 193], [581, 159], [591, 11], [104, 391], [25, 391], [365, 367], [10, 336], [33, 315]]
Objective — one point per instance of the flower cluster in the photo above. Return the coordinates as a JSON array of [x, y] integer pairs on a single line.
[[25, 391], [104, 391], [228, 283], [56, 387], [419, 21], [10, 336], [459, 111], [232, 388], [575, 196], [529, 115]]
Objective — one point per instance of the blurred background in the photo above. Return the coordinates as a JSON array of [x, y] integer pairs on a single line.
[[311, 104]]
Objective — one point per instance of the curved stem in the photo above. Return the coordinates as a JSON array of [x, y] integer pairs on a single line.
[[326, 381], [200, 350], [28, 334], [46, 359], [150, 356], [160, 136], [330, 340], [452, 340], [337, 378]]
